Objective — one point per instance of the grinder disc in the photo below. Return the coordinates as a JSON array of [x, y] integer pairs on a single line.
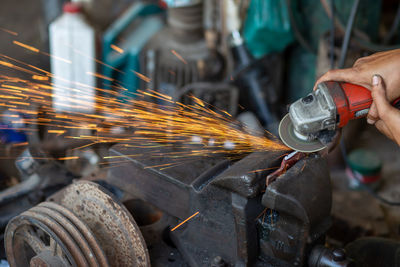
[[289, 138]]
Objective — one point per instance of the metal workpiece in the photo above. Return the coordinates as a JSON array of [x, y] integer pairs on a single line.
[[301, 198]]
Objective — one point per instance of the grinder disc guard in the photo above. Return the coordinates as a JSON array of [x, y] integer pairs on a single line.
[[289, 138]]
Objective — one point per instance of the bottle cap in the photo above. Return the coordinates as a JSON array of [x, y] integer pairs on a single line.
[[72, 8]]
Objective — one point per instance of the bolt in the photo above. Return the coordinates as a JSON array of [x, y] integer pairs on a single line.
[[38, 262], [308, 99], [339, 254], [46, 259], [218, 262]]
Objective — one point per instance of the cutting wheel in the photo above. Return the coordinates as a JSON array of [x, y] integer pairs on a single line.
[[289, 138]]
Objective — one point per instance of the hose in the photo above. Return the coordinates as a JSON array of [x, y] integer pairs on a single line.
[[360, 38], [347, 34], [331, 13], [332, 37]]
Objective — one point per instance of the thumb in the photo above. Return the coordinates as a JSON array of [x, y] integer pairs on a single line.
[[379, 96]]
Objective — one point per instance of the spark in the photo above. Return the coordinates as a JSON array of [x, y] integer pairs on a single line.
[[95, 59], [68, 158], [40, 77], [20, 144], [56, 131], [9, 31], [98, 75], [56, 57], [117, 49], [6, 64], [178, 56], [185, 221], [31, 48], [143, 77]]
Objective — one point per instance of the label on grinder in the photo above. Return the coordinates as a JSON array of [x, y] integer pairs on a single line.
[[361, 113]]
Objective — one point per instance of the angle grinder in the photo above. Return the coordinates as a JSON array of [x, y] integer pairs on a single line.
[[313, 121]]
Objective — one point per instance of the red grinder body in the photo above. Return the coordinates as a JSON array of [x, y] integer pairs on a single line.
[[352, 101]]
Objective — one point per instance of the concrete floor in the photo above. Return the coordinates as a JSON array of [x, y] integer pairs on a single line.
[[363, 213]]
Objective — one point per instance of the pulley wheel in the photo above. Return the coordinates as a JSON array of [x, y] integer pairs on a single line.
[[114, 227], [51, 235]]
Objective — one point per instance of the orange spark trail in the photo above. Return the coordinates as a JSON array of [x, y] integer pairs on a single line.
[[178, 56], [40, 77], [20, 144], [68, 158], [33, 49], [143, 77], [185, 221], [56, 131], [117, 49], [98, 75], [56, 57], [9, 31]]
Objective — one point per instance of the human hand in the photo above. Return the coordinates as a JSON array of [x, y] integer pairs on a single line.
[[387, 118], [386, 64]]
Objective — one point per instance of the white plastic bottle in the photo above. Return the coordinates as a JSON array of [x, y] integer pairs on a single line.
[[72, 49]]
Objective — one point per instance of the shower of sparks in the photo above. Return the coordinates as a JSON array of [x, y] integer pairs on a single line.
[[185, 221], [149, 119]]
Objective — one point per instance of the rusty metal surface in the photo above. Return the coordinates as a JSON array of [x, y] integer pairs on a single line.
[[23, 241], [115, 229], [300, 202], [49, 233], [83, 229]]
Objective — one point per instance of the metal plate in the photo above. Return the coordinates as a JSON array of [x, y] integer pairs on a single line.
[[288, 137]]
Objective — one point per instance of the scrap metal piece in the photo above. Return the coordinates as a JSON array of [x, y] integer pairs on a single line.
[[111, 223], [287, 162], [51, 235], [292, 139]]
